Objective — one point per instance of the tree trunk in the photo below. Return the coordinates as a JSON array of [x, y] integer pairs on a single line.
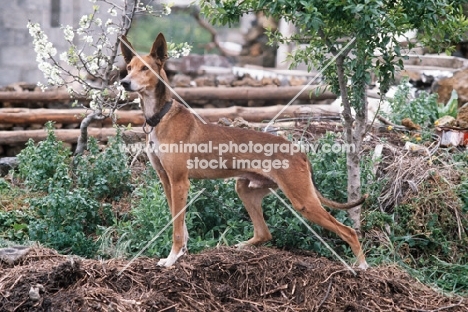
[[354, 129], [82, 143], [353, 162]]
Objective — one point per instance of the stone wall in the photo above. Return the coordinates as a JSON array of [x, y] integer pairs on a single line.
[[17, 56]]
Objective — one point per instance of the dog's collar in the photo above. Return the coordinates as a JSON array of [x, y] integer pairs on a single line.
[[154, 120]]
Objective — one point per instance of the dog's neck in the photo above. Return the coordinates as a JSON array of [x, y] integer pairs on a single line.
[[154, 120], [156, 104]]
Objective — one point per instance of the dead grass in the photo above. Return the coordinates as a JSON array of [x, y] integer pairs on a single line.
[[226, 279]]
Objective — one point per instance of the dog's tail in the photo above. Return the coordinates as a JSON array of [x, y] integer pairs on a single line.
[[333, 204]]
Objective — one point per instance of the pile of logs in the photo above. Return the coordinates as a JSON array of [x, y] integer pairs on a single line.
[[214, 91], [18, 124]]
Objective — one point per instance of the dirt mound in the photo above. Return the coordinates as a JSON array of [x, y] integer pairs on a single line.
[[225, 279]]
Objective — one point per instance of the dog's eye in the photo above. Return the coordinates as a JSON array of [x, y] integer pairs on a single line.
[[144, 68], [129, 68]]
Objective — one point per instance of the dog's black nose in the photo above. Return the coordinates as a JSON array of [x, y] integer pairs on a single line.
[[125, 84]]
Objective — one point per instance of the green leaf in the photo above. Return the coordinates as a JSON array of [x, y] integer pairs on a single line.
[[451, 109]]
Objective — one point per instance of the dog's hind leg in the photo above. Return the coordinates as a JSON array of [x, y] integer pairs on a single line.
[[252, 200], [307, 203]]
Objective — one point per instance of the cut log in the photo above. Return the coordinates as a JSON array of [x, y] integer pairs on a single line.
[[252, 93], [65, 135], [259, 114], [190, 94], [25, 116], [24, 96]]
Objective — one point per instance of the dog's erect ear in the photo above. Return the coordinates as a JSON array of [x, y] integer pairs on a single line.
[[126, 48], [159, 49]]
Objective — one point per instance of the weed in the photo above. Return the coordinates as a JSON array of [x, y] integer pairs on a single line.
[[106, 173], [38, 163], [69, 215], [426, 235], [67, 220], [422, 110], [14, 225]]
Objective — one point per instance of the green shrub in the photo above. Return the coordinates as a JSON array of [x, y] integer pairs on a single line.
[[427, 233], [67, 220], [105, 174], [38, 163], [422, 110], [69, 214], [4, 186], [461, 163], [14, 225], [149, 214]]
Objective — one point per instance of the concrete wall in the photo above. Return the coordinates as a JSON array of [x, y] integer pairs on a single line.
[[17, 56]]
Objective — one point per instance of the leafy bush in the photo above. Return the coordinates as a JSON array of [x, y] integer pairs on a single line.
[[422, 110], [330, 172], [106, 173], [4, 185], [38, 163], [426, 234], [461, 162], [14, 225], [68, 216], [67, 220], [149, 214]]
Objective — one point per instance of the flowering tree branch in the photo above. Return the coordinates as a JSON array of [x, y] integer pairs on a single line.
[[88, 67]]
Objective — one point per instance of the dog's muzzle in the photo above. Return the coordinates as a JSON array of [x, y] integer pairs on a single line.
[[126, 85]]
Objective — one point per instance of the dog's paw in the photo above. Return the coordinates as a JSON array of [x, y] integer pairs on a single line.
[[363, 266], [172, 258], [242, 245]]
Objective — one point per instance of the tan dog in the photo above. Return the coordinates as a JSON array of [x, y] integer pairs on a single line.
[[247, 155]]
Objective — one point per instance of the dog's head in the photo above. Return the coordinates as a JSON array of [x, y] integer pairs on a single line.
[[143, 71]]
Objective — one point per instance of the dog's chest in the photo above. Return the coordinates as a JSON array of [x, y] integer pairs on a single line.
[[152, 144]]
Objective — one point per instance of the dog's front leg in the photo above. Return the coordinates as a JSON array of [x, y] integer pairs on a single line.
[[179, 190], [162, 174]]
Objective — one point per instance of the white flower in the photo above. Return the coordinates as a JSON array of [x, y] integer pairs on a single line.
[[112, 30], [123, 95], [93, 66], [51, 50], [149, 9], [88, 39], [177, 51], [166, 9], [112, 12], [185, 49], [64, 57], [84, 21], [42, 86], [68, 33], [103, 61], [93, 105], [98, 21]]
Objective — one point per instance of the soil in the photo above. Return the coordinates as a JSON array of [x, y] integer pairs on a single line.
[[224, 279]]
